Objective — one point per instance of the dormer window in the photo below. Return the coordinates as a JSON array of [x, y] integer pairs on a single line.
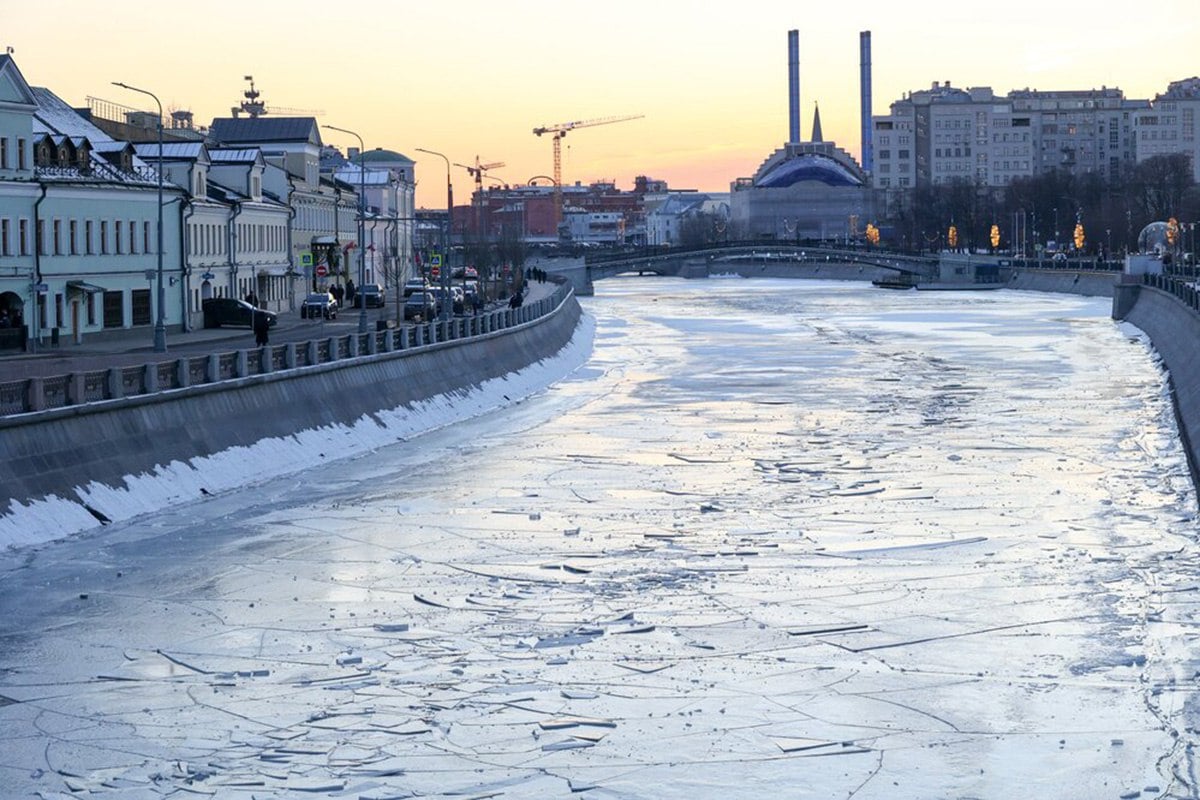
[[200, 183], [255, 187], [83, 157]]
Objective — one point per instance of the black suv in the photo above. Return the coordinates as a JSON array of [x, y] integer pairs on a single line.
[[220, 311]]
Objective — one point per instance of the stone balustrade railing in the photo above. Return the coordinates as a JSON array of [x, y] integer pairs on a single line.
[[33, 395]]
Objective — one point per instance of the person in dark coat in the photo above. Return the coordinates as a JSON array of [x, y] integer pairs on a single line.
[[262, 327], [349, 292]]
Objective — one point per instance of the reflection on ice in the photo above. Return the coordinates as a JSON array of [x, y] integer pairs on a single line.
[[776, 538]]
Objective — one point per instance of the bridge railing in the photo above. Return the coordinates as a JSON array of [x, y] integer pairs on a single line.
[[33, 395], [762, 245]]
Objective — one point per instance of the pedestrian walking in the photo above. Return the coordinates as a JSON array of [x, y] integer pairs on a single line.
[[262, 326]]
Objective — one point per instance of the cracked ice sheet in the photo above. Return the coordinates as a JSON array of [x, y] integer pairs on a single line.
[[773, 537]]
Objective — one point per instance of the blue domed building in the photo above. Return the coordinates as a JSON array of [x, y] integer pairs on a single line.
[[804, 190]]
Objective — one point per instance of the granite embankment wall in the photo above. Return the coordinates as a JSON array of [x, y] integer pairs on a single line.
[[1091, 284], [1173, 327], [50, 453]]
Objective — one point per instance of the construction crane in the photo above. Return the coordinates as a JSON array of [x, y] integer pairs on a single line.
[[477, 173], [478, 170], [559, 132]]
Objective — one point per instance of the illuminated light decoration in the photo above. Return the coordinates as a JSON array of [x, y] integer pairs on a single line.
[[872, 233], [952, 236], [995, 236], [1172, 231], [1079, 238]]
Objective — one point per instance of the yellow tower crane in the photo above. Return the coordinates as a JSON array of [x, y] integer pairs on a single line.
[[560, 130]]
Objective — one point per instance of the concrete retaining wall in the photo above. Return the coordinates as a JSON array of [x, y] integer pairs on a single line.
[[1091, 284], [1174, 330], [51, 453]]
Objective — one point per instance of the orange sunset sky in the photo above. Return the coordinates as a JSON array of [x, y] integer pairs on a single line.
[[470, 78]]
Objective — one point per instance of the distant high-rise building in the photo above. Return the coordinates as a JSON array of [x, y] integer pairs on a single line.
[[945, 134], [1168, 125]]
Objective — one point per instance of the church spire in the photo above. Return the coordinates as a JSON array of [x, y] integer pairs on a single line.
[[816, 126]]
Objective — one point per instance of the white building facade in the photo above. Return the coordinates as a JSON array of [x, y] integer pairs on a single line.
[[78, 224]]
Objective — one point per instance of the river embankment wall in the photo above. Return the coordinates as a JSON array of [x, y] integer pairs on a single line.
[[1173, 327], [1090, 284], [62, 468]]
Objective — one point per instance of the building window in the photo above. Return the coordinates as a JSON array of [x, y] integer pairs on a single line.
[[4, 152], [87, 237], [90, 302], [118, 246], [41, 237], [58, 237], [73, 237], [104, 242], [146, 237], [114, 309], [23, 236], [141, 306], [132, 237], [20, 154]]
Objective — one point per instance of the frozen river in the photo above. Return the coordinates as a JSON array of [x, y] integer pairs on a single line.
[[789, 539]]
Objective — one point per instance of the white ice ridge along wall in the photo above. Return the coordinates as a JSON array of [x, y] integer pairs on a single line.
[[97, 465]]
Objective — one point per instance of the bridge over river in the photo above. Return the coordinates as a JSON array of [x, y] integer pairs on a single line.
[[773, 259]]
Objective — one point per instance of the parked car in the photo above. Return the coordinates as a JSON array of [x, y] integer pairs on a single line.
[[220, 311], [416, 285], [317, 305], [420, 306], [371, 294], [455, 298]]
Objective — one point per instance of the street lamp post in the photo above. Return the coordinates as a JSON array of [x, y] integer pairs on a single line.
[[444, 276], [160, 324], [362, 224]]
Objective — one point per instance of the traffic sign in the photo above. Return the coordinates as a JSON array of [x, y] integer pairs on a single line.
[[435, 260], [322, 270], [306, 259]]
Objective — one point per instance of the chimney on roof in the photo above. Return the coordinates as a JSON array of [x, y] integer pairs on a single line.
[[351, 153]]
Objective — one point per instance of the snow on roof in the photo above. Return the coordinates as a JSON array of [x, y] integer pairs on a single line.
[[234, 155], [53, 115], [173, 150], [349, 173]]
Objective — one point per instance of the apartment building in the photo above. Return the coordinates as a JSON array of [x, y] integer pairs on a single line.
[[945, 134], [1168, 125]]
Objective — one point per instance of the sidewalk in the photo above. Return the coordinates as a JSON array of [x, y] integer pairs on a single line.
[[133, 347]]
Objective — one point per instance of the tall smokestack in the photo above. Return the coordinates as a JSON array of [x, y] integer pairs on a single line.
[[864, 78], [794, 86]]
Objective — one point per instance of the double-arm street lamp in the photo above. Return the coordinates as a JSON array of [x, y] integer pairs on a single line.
[[160, 324], [362, 225], [444, 272]]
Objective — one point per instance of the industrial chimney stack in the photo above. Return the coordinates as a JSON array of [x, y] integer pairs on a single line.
[[864, 50], [793, 86]]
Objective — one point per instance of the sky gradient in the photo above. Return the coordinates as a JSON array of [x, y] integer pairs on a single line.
[[469, 78]]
